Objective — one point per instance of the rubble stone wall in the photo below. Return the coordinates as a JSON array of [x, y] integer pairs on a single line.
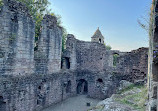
[[16, 39], [31, 80], [133, 65], [48, 55]]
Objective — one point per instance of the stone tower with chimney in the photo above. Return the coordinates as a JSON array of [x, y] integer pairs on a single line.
[[98, 37]]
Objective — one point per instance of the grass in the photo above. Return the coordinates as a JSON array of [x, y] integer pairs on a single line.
[[136, 100]]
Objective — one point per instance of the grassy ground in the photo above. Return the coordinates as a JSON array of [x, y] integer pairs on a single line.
[[135, 96]]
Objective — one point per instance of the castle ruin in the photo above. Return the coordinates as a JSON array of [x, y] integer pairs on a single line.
[[32, 80]]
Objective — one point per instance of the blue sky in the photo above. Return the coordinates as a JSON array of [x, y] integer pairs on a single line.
[[117, 20]]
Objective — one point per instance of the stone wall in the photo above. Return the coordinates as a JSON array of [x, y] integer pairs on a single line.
[[86, 55], [48, 55], [16, 39], [37, 80], [133, 65], [36, 92]]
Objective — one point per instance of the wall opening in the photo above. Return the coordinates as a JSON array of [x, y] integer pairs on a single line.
[[100, 80], [68, 87], [99, 83], [82, 87], [2, 104], [155, 92], [42, 91], [99, 40], [67, 62], [115, 59]]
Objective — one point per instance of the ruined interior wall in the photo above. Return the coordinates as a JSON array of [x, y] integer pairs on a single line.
[[70, 51], [86, 55], [133, 65], [89, 62], [16, 39], [48, 56], [39, 91], [36, 91], [90, 56]]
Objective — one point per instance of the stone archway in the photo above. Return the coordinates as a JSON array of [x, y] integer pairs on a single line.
[[82, 87], [2, 104]]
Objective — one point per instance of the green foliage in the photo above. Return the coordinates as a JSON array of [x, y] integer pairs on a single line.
[[108, 47], [37, 9], [115, 57], [59, 23], [1, 3], [129, 88]]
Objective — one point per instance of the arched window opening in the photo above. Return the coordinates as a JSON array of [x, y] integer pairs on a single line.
[[99, 40], [82, 87]]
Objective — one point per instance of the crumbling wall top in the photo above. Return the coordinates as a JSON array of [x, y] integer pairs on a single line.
[[49, 20], [16, 6]]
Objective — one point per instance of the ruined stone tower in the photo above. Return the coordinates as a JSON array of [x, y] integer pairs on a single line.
[[98, 37]]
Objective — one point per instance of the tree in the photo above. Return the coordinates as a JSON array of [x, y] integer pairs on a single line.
[[38, 8], [1, 3], [147, 23], [108, 47]]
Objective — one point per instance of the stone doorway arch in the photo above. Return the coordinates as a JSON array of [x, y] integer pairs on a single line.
[[82, 86]]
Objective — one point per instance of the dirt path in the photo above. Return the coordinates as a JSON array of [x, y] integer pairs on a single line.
[[74, 104]]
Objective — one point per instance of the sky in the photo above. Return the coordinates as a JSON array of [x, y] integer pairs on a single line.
[[116, 19]]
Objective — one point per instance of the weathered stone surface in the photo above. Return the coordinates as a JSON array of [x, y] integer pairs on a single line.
[[16, 39], [124, 84], [48, 56], [31, 81], [133, 65]]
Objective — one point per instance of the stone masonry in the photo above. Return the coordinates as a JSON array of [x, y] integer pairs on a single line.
[[32, 80], [48, 55], [16, 39]]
